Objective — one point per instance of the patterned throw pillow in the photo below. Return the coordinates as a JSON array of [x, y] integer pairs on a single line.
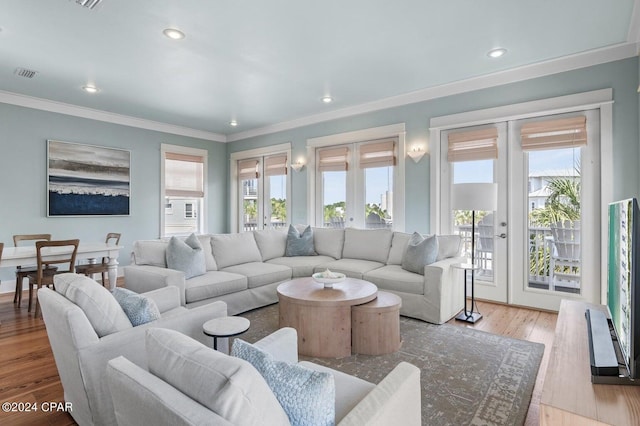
[[419, 253], [139, 309], [299, 244], [186, 256], [307, 396]]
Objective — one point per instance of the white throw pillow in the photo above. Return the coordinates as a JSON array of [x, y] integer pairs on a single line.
[[229, 386]]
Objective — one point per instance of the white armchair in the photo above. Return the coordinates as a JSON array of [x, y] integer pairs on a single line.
[[142, 398], [81, 355]]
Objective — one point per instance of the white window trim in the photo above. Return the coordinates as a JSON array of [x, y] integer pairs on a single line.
[[390, 131], [233, 173], [178, 149], [597, 99]]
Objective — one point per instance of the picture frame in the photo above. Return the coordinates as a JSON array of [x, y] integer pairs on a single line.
[[87, 180]]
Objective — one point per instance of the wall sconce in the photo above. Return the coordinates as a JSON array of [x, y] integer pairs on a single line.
[[416, 154], [297, 166]]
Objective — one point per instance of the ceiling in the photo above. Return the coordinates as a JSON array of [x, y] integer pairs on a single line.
[[268, 63]]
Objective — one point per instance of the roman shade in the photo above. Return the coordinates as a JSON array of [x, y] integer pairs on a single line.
[[554, 134], [247, 169], [275, 165], [333, 159], [183, 175], [378, 154], [473, 145]]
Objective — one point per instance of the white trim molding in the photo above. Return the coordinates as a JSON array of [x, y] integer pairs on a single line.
[[105, 116]]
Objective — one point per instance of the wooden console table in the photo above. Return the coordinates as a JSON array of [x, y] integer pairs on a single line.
[[568, 396]]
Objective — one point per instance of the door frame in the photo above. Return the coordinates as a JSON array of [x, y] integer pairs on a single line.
[[597, 99]]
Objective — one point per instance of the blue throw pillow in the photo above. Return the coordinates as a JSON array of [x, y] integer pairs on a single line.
[[186, 256], [307, 396], [139, 309], [419, 253], [299, 244]]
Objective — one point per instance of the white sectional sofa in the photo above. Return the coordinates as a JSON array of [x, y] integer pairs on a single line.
[[244, 269]]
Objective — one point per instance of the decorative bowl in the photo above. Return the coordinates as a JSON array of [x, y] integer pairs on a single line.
[[337, 277]]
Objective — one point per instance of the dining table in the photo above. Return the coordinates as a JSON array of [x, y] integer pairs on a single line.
[[26, 255]]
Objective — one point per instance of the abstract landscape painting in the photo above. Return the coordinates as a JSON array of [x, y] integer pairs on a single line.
[[85, 180]]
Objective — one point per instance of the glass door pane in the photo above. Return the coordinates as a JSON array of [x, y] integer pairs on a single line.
[[249, 204], [334, 198], [480, 171], [276, 202], [378, 197], [554, 219]]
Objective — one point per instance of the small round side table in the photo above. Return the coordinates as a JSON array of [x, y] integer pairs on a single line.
[[225, 327], [468, 315]]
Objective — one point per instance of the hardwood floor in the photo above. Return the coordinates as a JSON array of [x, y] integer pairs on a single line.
[[28, 373]]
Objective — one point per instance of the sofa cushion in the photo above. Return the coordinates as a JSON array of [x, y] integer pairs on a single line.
[[393, 277], [448, 246], [213, 284], [138, 308], [419, 253], [328, 242], [259, 274], [229, 386], [299, 243], [101, 308], [307, 396], [301, 266], [235, 249], [205, 242], [271, 242], [186, 256], [367, 244], [354, 268], [150, 252], [399, 244]]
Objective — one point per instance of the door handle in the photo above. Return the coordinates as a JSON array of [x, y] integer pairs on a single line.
[[503, 235]]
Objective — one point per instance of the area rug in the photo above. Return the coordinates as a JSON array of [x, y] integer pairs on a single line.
[[468, 377]]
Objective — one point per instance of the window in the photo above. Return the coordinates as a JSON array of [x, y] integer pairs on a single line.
[[184, 189], [356, 184]]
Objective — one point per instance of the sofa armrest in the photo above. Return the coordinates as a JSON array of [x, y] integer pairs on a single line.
[[166, 298], [145, 278], [395, 400], [282, 344]]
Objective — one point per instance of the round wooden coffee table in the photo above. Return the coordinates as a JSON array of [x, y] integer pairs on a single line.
[[322, 316]]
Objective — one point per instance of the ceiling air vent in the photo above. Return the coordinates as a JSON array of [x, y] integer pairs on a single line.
[[26, 73], [90, 4]]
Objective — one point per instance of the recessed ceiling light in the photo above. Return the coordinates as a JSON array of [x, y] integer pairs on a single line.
[[90, 89], [497, 52], [233, 123], [327, 99], [173, 34]]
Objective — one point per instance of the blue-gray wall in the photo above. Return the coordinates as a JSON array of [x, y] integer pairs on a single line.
[[24, 131], [622, 76], [23, 178]]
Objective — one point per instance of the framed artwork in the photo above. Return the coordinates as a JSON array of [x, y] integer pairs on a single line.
[[86, 180]]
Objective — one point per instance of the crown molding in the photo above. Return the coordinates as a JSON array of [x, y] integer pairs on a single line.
[[527, 72], [108, 117]]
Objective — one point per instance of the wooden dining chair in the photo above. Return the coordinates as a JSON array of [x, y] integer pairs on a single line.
[[89, 269], [44, 273], [23, 271]]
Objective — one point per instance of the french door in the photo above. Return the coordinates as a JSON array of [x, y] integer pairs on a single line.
[[542, 243], [263, 193]]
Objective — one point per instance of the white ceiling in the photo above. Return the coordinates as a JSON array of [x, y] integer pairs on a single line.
[[266, 63]]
